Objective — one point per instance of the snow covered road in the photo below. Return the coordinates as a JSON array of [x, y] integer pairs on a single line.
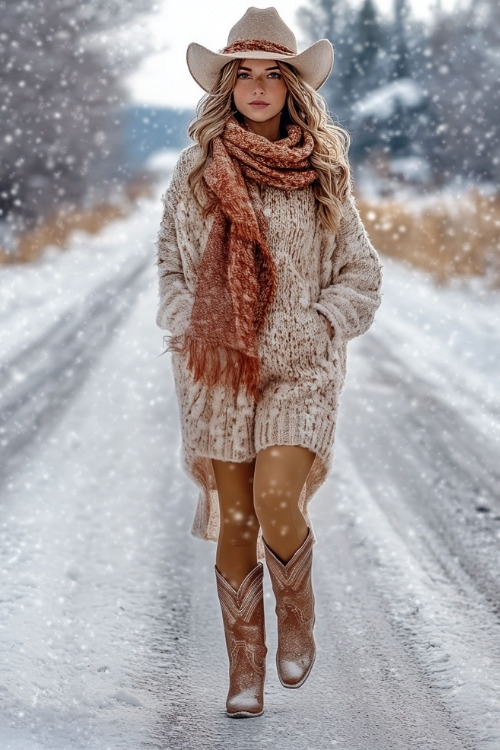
[[110, 633]]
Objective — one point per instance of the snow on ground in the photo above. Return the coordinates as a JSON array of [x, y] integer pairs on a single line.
[[108, 618], [448, 336], [36, 295]]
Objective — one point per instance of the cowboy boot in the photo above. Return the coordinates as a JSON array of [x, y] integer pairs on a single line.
[[295, 611], [243, 618]]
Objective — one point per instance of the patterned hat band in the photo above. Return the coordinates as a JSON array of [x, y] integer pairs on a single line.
[[256, 45]]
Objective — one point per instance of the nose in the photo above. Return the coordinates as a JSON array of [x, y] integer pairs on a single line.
[[258, 85]]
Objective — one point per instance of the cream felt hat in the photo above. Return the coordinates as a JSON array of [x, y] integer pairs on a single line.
[[261, 35]]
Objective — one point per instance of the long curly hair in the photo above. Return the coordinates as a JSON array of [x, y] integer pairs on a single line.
[[305, 107]]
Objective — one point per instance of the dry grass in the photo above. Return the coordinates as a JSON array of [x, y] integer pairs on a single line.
[[447, 238], [57, 230]]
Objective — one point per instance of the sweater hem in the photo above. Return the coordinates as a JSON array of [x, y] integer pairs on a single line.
[[310, 430]]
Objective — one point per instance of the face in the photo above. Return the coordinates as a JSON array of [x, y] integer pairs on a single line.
[[259, 93]]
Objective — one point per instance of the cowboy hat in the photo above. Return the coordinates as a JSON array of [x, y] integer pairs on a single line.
[[261, 35]]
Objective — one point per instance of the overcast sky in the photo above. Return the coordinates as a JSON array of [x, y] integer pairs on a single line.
[[163, 78]]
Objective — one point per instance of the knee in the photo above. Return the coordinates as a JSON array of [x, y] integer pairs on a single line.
[[239, 528], [272, 499]]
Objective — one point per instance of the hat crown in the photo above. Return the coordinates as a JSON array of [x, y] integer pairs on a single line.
[[263, 23]]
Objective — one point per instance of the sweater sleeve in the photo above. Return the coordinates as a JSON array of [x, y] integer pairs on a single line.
[[351, 292], [175, 300]]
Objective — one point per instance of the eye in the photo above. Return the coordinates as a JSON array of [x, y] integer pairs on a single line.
[[242, 74], [275, 74]]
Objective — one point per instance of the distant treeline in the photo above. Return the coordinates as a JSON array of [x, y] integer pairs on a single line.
[[62, 85], [417, 96]]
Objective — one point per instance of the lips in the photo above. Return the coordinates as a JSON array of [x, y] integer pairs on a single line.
[[259, 104]]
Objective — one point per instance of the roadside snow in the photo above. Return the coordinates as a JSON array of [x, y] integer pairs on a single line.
[[35, 296], [450, 337]]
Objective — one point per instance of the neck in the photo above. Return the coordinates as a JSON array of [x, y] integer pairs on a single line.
[[269, 129]]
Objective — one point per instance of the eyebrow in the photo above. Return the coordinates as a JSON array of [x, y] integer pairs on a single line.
[[242, 67]]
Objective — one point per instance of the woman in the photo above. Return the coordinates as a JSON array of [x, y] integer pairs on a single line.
[[265, 273]]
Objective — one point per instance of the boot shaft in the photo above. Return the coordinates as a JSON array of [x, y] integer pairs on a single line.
[[244, 630], [292, 586]]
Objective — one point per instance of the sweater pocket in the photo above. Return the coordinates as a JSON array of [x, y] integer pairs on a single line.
[[322, 338], [330, 356]]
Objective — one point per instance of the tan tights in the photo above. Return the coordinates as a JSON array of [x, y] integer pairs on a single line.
[[261, 493]]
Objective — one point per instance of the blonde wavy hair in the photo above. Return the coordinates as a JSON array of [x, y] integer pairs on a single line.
[[304, 107]]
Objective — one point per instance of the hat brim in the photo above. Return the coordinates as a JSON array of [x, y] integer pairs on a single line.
[[314, 64]]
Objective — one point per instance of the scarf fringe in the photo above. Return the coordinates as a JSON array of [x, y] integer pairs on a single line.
[[213, 364]]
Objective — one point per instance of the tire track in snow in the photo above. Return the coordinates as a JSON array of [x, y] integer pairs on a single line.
[[448, 471], [38, 383], [450, 634], [415, 478], [92, 559]]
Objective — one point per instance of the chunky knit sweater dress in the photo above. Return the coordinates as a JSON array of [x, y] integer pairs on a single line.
[[302, 370]]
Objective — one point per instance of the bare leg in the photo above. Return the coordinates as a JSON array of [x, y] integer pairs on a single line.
[[239, 527], [239, 587], [280, 473]]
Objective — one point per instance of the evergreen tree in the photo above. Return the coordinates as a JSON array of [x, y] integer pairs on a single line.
[[328, 19], [364, 67], [359, 43], [400, 52], [463, 80]]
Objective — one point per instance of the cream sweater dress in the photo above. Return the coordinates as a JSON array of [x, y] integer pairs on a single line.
[[302, 369]]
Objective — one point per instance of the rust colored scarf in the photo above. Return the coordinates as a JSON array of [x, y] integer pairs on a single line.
[[236, 280]]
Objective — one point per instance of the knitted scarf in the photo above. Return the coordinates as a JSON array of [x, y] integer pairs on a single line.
[[236, 281]]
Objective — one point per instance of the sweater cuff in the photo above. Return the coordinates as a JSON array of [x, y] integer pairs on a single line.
[[178, 323]]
